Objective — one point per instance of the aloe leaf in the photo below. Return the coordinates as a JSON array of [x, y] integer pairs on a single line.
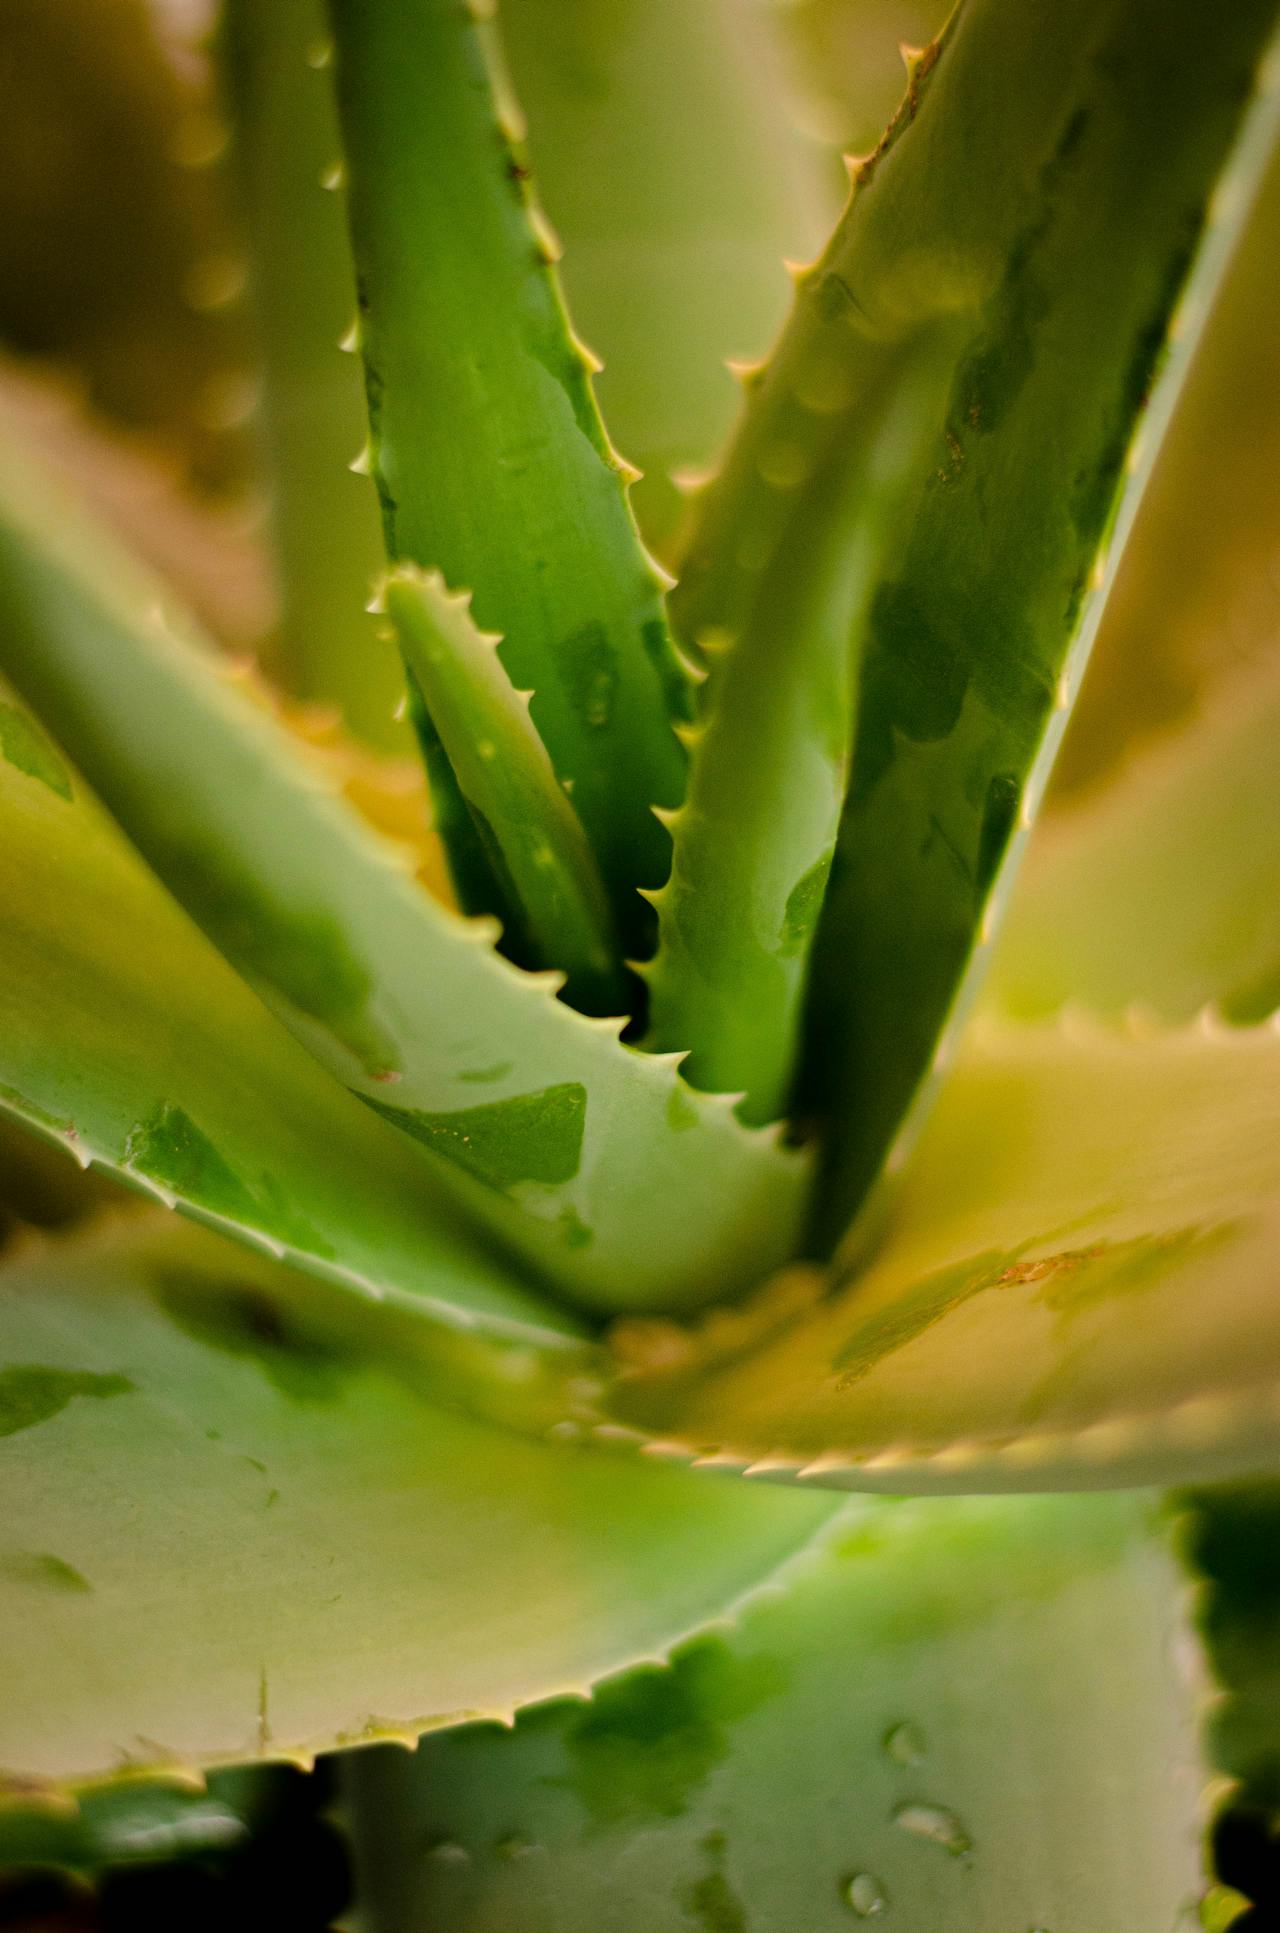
[[1160, 891], [664, 143], [981, 207], [1196, 600], [478, 392], [124, 1036], [754, 839], [528, 827], [559, 1137], [978, 1715], [1231, 1541], [1090, 1302], [356, 1561], [328, 542]]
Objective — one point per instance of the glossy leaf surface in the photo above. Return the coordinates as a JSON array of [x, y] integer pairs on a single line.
[[548, 1128], [981, 211], [491, 460], [124, 1035], [915, 1725], [244, 1517], [1076, 1287]]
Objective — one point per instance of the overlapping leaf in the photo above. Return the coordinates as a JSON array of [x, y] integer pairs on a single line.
[[916, 1726], [244, 1517], [491, 461], [981, 210], [327, 543], [665, 147], [1161, 893], [1075, 1288], [126, 1036], [557, 1135]]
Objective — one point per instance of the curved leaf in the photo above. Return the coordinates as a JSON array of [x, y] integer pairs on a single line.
[[1196, 599], [542, 1123], [664, 144], [532, 835], [1232, 1547], [981, 210], [480, 396], [754, 839], [124, 1035], [1076, 1287], [1163, 891], [947, 1715], [328, 541], [243, 1517]]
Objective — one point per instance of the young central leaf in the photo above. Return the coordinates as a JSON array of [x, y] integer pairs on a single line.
[[490, 457], [526, 825]]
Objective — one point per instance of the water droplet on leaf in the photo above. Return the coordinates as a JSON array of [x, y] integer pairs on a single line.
[[866, 1895], [906, 1744], [936, 1823]]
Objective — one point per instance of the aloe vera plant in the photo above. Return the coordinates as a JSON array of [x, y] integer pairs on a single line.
[[636, 1282]]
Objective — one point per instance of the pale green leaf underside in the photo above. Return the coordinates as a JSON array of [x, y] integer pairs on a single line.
[[916, 1726], [1163, 893], [551, 1131], [1077, 1286], [670, 163], [327, 537], [281, 1544], [126, 1036]]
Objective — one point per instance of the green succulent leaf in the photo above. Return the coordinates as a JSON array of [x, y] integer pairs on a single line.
[[245, 1517], [529, 830], [981, 211], [327, 542], [1232, 1546], [935, 1686], [1075, 1287], [1159, 893], [664, 142], [124, 1036], [754, 839], [479, 393], [539, 1119]]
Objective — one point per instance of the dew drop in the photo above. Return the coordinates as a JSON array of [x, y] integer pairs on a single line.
[[906, 1744], [447, 1852], [516, 1845], [866, 1896], [936, 1823]]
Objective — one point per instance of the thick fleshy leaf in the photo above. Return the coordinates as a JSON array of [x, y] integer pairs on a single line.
[[530, 832], [1196, 599], [946, 1716], [664, 143], [549, 1128], [127, 1037], [489, 455], [328, 542], [1077, 1286], [980, 211], [1163, 891], [1232, 1545], [754, 839], [244, 1516]]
